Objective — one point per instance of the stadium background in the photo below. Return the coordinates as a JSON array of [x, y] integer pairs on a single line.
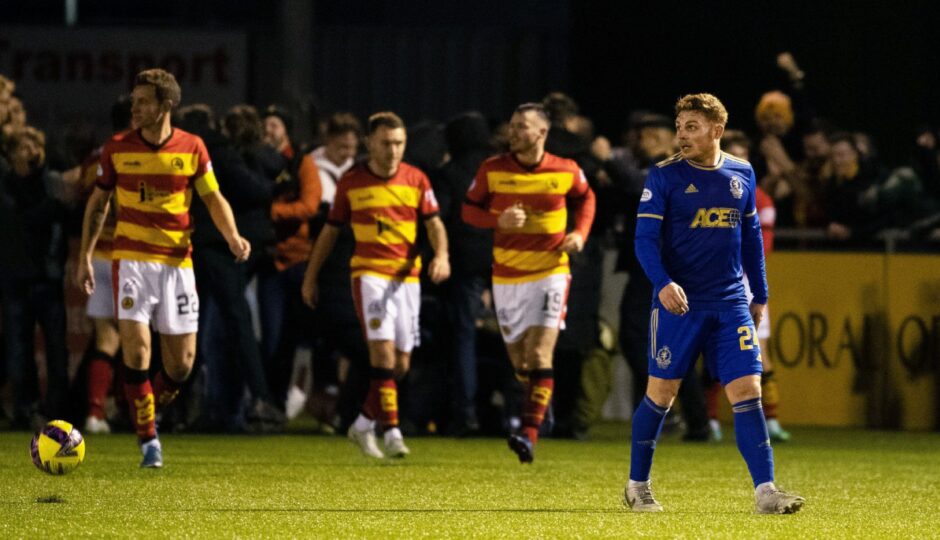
[[857, 333]]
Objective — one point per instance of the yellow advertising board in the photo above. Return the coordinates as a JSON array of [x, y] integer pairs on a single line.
[[855, 339]]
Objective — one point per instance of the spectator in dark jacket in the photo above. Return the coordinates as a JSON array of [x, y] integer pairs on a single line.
[[848, 220], [228, 345], [569, 139], [471, 251], [32, 264]]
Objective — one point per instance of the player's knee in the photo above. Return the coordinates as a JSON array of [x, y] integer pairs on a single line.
[[743, 388], [662, 392], [137, 356], [107, 343], [402, 364], [382, 354], [179, 372], [538, 358]]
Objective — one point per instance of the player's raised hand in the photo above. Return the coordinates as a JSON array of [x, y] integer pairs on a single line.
[[757, 312], [239, 247], [439, 269], [673, 298], [512, 217], [85, 276], [786, 62], [573, 243]]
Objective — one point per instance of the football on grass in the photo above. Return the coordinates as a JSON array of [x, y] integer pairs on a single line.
[[58, 449]]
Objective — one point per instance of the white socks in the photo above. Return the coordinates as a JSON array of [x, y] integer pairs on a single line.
[[766, 487], [363, 424], [393, 433]]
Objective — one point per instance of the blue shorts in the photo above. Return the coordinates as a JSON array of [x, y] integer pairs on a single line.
[[726, 339]]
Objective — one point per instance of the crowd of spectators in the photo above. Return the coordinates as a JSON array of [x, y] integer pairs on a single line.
[[826, 182]]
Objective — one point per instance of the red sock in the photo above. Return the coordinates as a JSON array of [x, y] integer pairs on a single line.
[[382, 401], [165, 389], [538, 396], [711, 399], [100, 373], [140, 399]]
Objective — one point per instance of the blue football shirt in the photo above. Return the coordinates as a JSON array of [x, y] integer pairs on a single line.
[[698, 227]]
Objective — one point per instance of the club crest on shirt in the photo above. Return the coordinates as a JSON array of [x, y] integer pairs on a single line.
[[663, 357], [737, 188], [127, 302], [177, 163], [375, 323]]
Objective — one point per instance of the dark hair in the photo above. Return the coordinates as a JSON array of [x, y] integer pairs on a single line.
[[846, 137], [735, 136], [121, 113], [163, 82], [197, 118], [386, 119], [243, 125], [283, 114], [559, 107], [537, 108], [818, 125], [342, 123]]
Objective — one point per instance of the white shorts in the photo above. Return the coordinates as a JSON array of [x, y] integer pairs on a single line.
[[153, 292], [532, 303], [101, 302], [763, 330], [388, 310]]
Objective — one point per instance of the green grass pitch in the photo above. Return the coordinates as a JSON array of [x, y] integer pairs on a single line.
[[857, 484]]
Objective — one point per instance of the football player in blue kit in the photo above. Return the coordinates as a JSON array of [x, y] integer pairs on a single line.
[[697, 235]]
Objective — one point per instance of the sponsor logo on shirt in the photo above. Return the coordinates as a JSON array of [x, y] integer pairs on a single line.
[[716, 218]]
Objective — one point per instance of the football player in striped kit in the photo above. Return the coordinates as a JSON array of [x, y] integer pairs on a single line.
[[151, 172], [382, 200], [524, 196]]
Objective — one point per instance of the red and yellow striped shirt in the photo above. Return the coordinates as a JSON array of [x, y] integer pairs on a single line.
[[383, 213], [153, 192], [88, 175], [530, 252]]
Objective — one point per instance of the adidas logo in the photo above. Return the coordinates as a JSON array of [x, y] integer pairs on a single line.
[[691, 189]]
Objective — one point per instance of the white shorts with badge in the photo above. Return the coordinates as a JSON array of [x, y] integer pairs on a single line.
[[763, 330], [389, 310], [101, 302], [533, 303], [149, 292]]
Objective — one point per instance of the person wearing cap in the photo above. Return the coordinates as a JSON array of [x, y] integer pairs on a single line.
[[296, 200]]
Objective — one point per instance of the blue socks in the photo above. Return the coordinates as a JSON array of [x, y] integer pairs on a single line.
[[647, 423], [750, 430]]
